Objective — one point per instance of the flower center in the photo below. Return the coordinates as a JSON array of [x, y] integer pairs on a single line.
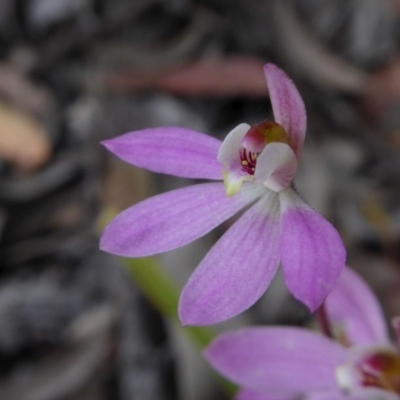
[[255, 141], [260, 154], [380, 369], [248, 161]]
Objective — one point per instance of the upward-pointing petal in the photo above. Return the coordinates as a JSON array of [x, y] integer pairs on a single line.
[[237, 270], [171, 220], [354, 308], [170, 150], [287, 104], [313, 254]]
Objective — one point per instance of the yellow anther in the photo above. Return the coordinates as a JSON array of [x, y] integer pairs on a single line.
[[245, 163]]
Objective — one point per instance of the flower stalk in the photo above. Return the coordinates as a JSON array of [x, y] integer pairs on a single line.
[[324, 321], [162, 292]]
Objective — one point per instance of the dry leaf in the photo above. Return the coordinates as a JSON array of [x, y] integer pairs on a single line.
[[23, 141]]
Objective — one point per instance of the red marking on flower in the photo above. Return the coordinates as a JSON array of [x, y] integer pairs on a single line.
[[381, 370], [263, 133], [248, 160], [370, 380]]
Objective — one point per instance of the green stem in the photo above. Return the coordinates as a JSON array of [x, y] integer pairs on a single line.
[[163, 293]]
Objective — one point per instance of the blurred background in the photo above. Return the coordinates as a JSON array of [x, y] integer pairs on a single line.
[[73, 324]]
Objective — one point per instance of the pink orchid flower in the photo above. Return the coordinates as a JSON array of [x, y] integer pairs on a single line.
[[286, 363], [257, 165]]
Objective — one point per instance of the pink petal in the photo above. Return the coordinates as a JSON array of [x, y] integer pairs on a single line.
[[276, 166], [170, 150], [287, 104], [277, 359], [237, 270], [171, 220], [247, 394], [313, 254], [353, 307]]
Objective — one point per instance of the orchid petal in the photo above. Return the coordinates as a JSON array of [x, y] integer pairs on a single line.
[[172, 219], [353, 307], [277, 360], [364, 394], [246, 394], [228, 153], [170, 150], [237, 270], [287, 104], [276, 166], [313, 254]]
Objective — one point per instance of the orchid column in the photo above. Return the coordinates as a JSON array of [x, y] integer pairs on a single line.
[[255, 166]]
